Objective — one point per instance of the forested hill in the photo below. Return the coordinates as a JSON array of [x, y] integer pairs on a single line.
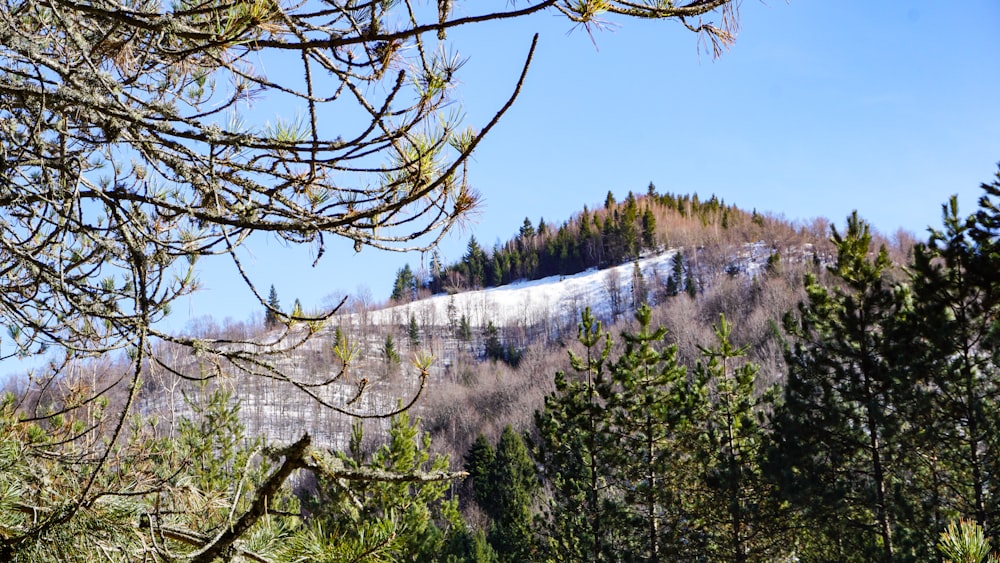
[[616, 233]]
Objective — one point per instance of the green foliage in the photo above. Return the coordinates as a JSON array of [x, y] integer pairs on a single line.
[[745, 518], [405, 286], [389, 352], [413, 331], [505, 484], [843, 446], [183, 491], [579, 521], [676, 280], [379, 518], [652, 417], [495, 350], [606, 237], [956, 293], [464, 329], [965, 542], [479, 464], [272, 314]]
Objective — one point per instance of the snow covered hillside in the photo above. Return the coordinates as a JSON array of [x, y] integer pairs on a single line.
[[555, 298]]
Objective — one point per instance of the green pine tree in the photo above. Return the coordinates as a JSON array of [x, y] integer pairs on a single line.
[[744, 515], [957, 296], [653, 410], [406, 519], [840, 432], [581, 520]]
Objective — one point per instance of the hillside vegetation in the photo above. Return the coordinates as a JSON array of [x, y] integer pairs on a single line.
[[732, 386]]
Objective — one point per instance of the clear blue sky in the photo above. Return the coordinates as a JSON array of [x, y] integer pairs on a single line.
[[819, 108]]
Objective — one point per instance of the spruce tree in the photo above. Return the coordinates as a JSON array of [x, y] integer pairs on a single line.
[[273, 310], [676, 280], [648, 229], [479, 465], [413, 331], [404, 288], [512, 488]]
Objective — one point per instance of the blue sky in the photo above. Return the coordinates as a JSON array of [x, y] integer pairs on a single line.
[[888, 107], [818, 109]]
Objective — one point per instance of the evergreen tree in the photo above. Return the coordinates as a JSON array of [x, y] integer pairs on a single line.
[[408, 519], [413, 331], [452, 315], [271, 314], [581, 521], [648, 229], [404, 288], [475, 263], [464, 329], [957, 295], [437, 273], [744, 516], [527, 230], [691, 282], [675, 283], [470, 547], [652, 416], [479, 465], [609, 201], [839, 432], [512, 488], [389, 352]]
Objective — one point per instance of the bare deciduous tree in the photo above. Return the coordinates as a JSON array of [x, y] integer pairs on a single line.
[[127, 154]]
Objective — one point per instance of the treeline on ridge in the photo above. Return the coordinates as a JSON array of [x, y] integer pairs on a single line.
[[599, 238]]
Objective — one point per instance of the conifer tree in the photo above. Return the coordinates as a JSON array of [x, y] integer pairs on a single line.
[[676, 280], [648, 229], [652, 418], [744, 516], [406, 519], [389, 352], [475, 263], [839, 431], [581, 521], [271, 318], [413, 331], [131, 152], [479, 465], [957, 296], [508, 502], [404, 287], [464, 329]]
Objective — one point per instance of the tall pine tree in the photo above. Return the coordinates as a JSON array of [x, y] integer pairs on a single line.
[[840, 432]]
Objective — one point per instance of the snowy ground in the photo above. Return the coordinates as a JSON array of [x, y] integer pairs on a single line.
[[528, 302], [556, 297]]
